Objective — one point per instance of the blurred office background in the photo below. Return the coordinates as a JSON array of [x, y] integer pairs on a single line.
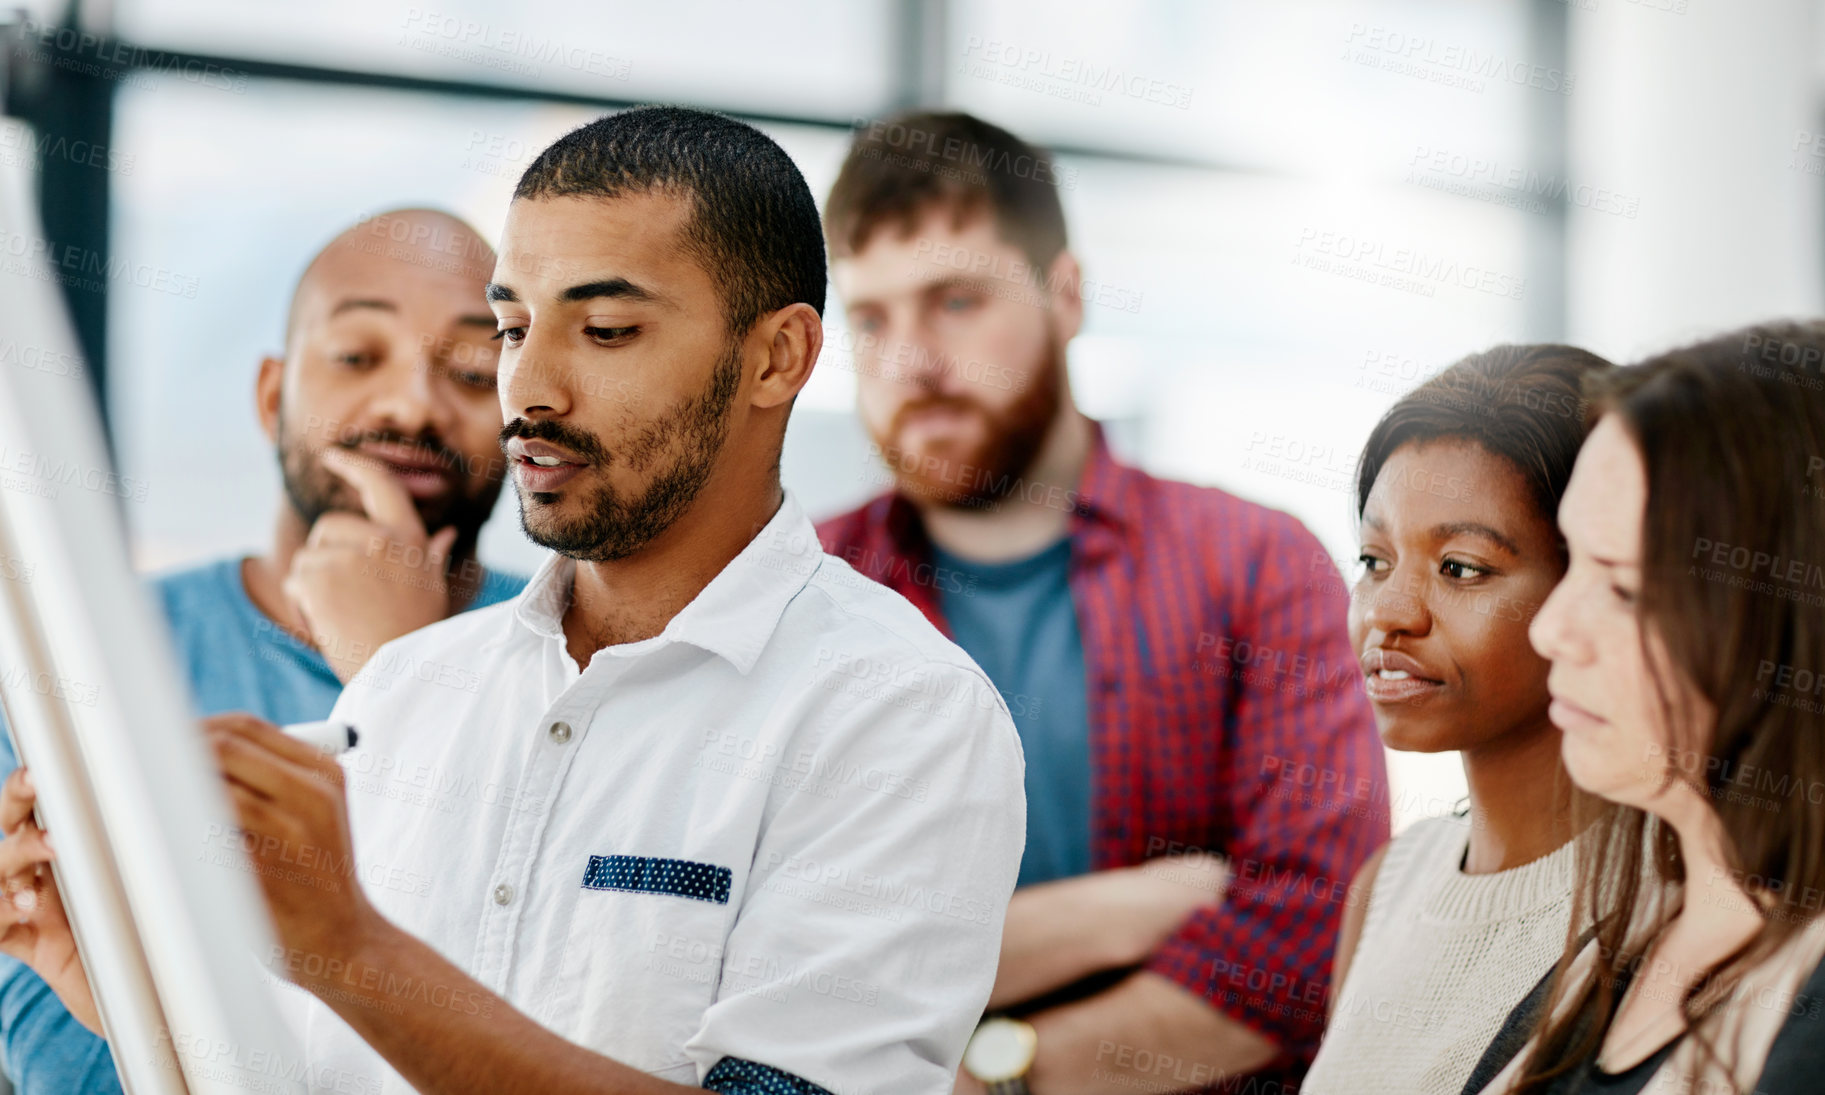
[[1295, 211]]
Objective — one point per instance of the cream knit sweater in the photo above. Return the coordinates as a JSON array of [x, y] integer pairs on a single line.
[[1443, 958]]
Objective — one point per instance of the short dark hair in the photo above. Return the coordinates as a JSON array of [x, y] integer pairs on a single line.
[[754, 224], [1524, 404], [900, 168]]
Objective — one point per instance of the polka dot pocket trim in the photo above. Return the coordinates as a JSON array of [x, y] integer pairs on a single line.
[[643, 874]]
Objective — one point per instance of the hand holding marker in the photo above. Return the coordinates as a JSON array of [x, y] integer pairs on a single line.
[[333, 736]]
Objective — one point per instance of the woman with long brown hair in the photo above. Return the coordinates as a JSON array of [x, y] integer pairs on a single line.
[[1686, 640]]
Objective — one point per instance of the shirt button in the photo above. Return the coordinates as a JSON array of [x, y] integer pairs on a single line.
[[559, 732], [503, 894]]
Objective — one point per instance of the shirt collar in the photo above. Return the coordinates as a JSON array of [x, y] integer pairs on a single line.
[[733, 617], [1107, 490]]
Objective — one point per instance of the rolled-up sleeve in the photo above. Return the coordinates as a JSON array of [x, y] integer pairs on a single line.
[[1307, 785], [868, 931]]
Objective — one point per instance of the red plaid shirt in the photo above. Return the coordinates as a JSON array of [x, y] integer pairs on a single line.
[[1226, 714]]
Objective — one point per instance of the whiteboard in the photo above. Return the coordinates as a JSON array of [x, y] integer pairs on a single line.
[[166, 911]]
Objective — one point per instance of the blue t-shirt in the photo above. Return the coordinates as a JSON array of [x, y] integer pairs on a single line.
[[238, 660], [1018, 621]]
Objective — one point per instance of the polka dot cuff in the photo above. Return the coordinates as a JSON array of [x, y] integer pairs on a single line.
[[734, 1076]]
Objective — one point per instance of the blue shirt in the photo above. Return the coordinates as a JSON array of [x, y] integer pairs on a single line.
[[1018, 621], [238, 660]]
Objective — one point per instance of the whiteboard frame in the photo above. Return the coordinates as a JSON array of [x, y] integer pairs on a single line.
[[167, 914]]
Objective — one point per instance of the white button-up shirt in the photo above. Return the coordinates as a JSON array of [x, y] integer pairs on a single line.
[[782, 831]]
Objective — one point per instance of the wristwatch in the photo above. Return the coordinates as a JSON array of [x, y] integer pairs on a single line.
[[1000, 1054]]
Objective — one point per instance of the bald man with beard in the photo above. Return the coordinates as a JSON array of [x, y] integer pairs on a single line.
[[384, 416]]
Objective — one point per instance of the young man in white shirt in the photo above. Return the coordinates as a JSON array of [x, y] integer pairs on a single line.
[[720, 812]]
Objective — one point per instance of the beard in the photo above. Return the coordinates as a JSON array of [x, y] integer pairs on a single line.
[[954, 475], [314, 490], [683, 444]]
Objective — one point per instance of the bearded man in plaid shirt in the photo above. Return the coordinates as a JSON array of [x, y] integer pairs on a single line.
[[1203, 773]]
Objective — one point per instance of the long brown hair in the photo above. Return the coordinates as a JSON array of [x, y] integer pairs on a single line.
[[1732, 434]]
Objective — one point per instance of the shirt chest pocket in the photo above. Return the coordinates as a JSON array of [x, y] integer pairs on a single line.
[[645, 950]]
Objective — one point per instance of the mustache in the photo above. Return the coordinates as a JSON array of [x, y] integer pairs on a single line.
[[428, 440], [935, 401], [581, 442]]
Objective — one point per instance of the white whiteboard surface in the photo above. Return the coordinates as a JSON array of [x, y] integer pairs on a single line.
[[167, 914]]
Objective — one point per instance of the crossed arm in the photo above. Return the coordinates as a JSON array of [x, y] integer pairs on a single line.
[[1060, 932], [1292, 851]]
